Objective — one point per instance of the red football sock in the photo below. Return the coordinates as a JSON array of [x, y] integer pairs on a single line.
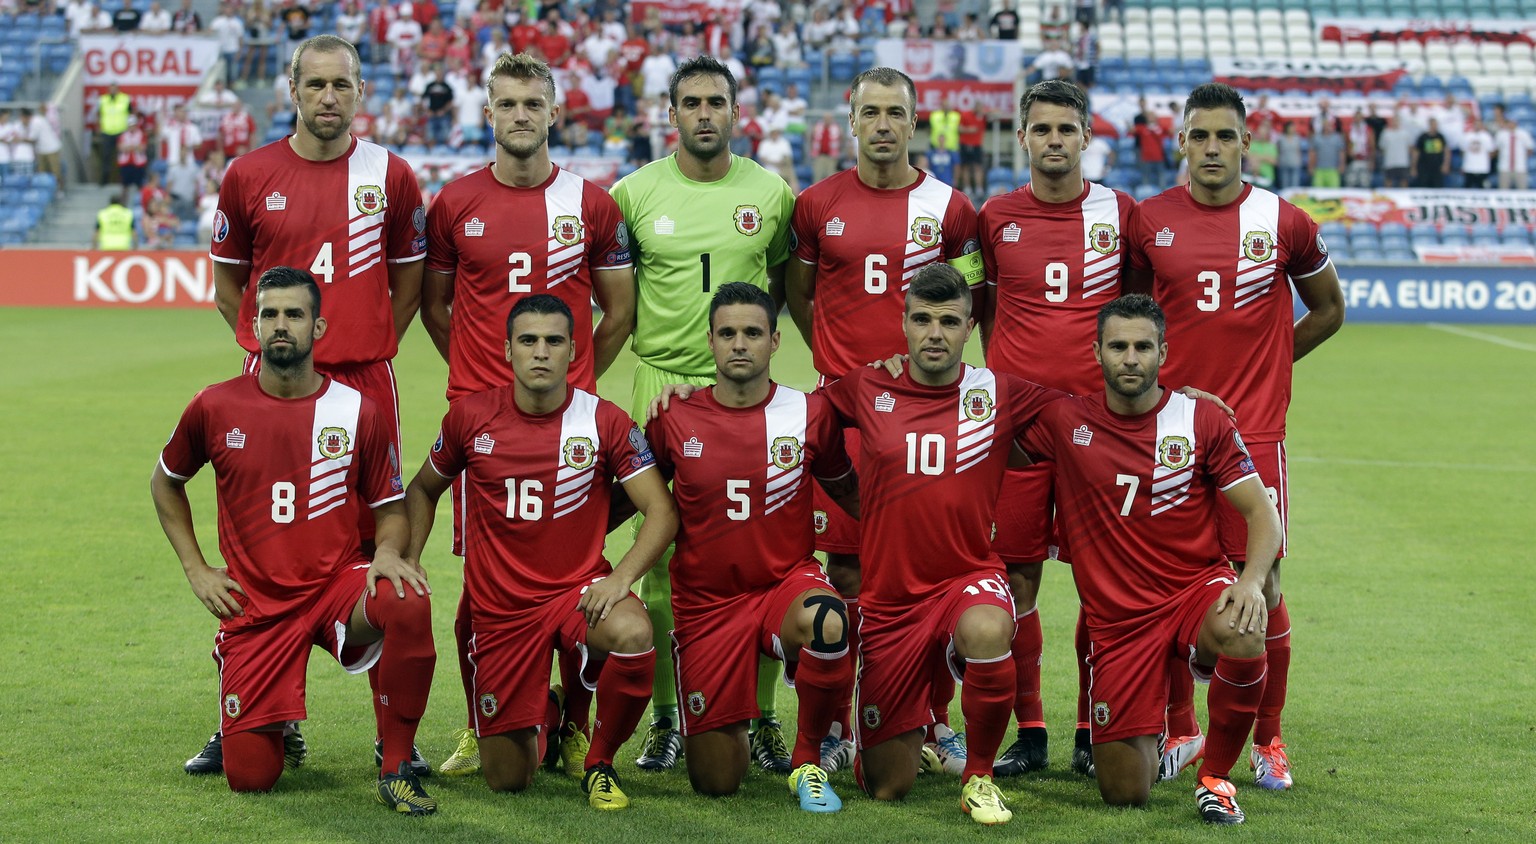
[[405, 669], [549, 728], [621, 700], [943, 693], [253, 759], [578, 698], [1028, 646], [1236, 686], [846, 717], [1181, 699], [986, 700], [1084, 673], [824, 685], [1277, 647], [461, 637]]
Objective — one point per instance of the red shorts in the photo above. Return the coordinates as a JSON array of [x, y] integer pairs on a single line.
[[1024, 530], [836, 531], [903, 654], [1269, 459], [1128, 662], [510, 683], [262, 667], [716, 652]]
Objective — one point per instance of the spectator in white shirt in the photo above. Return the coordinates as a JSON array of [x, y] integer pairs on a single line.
[[786, 46], [656, 71], [155, 19], [404, 34], [351, 22], [776, 154], [45, 142], [230, 30], [1514, 145], [1051, 62], [1476, 156], [218, 96], [794, 107], [1097, 159]]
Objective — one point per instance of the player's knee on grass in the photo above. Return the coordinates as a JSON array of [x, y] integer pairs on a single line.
[[253, 759], [1125, 770], [984, 632], [626, 630], [843, 571], [717, 760], [1024, 582], [890, 768], [820, 624], [509, 760]]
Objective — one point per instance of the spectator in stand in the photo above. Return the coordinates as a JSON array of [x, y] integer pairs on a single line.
[[905, 26], [971, 175], [1263, 115], [629, 81], [1476, 157], [845, 40], [468, 102], [776, 154], [1513, 145], [1323, 117], [599, 47], [185, 20], [1085, 56], [219, 96], [1054, 62], [437, 102], [15, 149], [207, 207], [794, 107], [432, 49], [160, 226], [237, 131], [639, 135], [404, 34], [525, 31], [1087, 13], [1005, 23], [45, 142], [152, 192], [1431, 157], [156, 19], [1396, 145], [554, 40], [398, 117], [1362, 152], [1377, 123], [351, 23], [690, 42], [182, 179], [828, 137], [229, 28], [970, 30], [380, 16], [132, 153], [759, 17], [1290, 157], [576, 113], [1327, 157], [86, 17], [1097, 159], [295, 22], [213, 170], [786, 46], [1263, 157], [126, 19], [938, 29], [179, 133], [656, 72], [494, 46], [257, 43], [820, 30], [1151, 157], [761, 53]]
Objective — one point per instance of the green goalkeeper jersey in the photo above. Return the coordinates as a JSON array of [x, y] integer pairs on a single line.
[[687, 238]]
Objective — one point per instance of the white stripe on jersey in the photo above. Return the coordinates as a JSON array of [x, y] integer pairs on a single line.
[[783, 417], [973, 440], [563, 199], [367, 165], [929, 199], [337, 415], [574, 486], [1100, 272], [1260, 212], [1170, 487]]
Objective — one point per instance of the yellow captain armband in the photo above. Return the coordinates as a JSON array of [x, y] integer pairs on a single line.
[[970, 266]]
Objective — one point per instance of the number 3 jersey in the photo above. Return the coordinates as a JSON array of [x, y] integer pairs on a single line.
[[1137, 495], [1220, 275], [501, 243], [291, 477], [536, 500], [344, 220], [742, 478], [931, 461]]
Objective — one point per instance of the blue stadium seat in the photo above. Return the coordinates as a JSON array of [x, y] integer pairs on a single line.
[[1405, 255], [44, 181], [802, 78], [1454, 236], [1514, 235], [771, 78], [841, 67]]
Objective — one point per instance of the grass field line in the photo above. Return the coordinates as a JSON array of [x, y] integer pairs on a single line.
[[1412, 464], [1479, 335]]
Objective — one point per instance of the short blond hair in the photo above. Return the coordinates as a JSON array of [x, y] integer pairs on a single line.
[[521, 66]]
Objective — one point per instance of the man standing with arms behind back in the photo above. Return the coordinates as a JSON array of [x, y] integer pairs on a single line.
[[697, 219], [1224, 256], [350, 212]]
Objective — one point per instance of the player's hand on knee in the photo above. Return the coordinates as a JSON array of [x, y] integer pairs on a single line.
[[601, 597], [392, 567], [1243, 604], [662, 402], [214, 588], [893, 365], [1196, 393]]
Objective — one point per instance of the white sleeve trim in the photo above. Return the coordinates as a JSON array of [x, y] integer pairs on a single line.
[[439, 472], [624, 479], [1254, 475], [1326, 264], [382, 501], [229, 260], [168, 472], [625, 265], [410, 260], [838, 478]]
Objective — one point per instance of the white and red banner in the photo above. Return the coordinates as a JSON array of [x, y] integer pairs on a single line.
[[675, 12], [977, 75], [1339, 75], [1523, 256], [157, 71], [1417, 207], [1499, 31], [138, 279]]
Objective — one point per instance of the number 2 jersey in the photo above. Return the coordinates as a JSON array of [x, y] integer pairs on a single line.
[[292, 476], [742, 478], [931, 461], [1137, 496], [344, 220], [537, 492], [1220, 275]]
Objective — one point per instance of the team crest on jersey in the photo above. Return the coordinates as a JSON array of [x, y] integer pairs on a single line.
[[977, 405], [488, 705], [578, 452], [696, 703], [1174, 452], [232, 706], [786, 452], [334, 443], [369, 199], [925, 231], [566, 229], [1102, 238], [870, 715], [819, 521], [749, 220], [1101, 714], [1258, 246]]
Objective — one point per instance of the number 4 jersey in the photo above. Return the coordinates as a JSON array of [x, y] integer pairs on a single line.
[[343, 220], [1221, 279], [292, 476]]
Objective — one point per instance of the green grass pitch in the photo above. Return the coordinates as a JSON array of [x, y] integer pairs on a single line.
[[1411, 713]]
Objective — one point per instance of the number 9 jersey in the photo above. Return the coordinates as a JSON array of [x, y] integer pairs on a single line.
[[343, 220]]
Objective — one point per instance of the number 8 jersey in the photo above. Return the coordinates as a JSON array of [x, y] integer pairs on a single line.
[[343, 220]]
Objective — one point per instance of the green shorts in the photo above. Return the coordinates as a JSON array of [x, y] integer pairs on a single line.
[[648, 383]]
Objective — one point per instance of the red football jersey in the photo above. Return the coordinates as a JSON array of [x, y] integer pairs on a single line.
[[866, 245], [1220, 277], [502, 243], [343, 220], [291, 475], [931, 460], [1051, 266], [537, 498], [1137, 496], [747, 514]]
